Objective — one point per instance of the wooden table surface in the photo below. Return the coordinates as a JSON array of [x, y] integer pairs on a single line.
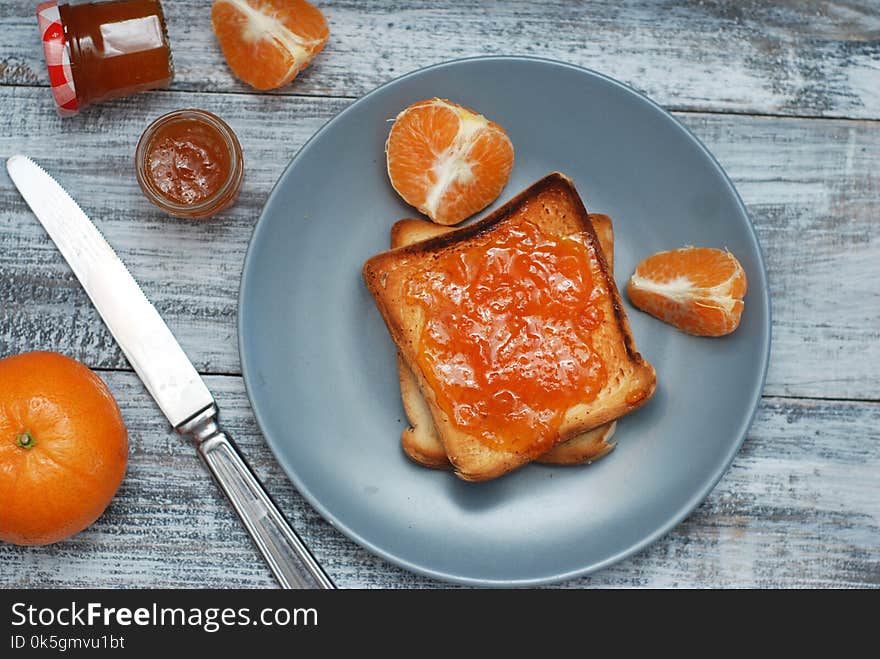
[[785, 94]]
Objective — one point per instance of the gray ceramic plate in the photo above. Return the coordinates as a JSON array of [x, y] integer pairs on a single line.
[[320, 367]]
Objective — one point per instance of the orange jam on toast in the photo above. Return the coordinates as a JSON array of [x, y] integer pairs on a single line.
[[506, 343]]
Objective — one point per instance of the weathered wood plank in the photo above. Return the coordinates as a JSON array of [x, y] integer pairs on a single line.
[[798, 508], [188, 269], [791, 57], [811, 186]]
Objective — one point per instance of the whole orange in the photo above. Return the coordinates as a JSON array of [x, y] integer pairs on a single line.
[[63, 448]]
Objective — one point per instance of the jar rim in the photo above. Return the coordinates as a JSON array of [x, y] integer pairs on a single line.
[[205, 207]]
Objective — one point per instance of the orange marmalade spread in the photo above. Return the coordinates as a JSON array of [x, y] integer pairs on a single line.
[[189, 163], [506, 342]]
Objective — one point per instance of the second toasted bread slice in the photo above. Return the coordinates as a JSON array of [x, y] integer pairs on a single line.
[[420, 441], [552, 208]]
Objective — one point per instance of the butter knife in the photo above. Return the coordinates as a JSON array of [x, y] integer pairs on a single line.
[[164, 368]]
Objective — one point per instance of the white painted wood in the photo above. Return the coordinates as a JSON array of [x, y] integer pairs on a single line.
[[798, 508], [786, 57], [800, 505], [811, 186]]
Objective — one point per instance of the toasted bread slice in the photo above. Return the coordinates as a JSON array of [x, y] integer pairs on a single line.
[[420, 441], [554, 206], [604, 228]]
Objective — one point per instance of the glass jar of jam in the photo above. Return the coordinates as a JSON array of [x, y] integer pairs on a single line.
[[101, 50], [189, 164]]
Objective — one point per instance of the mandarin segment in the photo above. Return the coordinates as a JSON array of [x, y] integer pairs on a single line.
[[699, 290], [446, 160], [267, 43]]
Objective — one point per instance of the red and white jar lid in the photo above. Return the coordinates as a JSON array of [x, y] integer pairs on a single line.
[[57, 58]]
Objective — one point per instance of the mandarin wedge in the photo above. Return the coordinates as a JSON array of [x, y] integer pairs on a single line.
[[699, 290], [446, 160], [268, 42]]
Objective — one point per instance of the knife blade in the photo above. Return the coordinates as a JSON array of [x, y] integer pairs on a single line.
[[145, 339], [164, 368]]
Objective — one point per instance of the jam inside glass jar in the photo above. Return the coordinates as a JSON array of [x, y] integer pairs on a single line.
[[189, 164], [105, 49]]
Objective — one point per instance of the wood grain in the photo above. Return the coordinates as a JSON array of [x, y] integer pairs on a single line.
[[798, 508], [816, 58], [811, 187]]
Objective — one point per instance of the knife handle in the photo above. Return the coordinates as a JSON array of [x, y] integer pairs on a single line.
[[287, 556]]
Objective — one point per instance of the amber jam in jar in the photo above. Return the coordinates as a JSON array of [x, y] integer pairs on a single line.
[[189, 164], [101, 50]]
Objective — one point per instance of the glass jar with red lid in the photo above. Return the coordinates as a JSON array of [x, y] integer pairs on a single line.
[[100, 50]]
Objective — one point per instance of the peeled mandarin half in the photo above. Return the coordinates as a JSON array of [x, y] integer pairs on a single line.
[[268, 42], [446, 160], [699, 290]]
